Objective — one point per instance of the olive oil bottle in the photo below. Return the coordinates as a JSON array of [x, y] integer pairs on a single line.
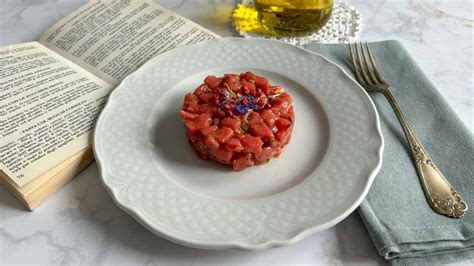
[[293, 17]]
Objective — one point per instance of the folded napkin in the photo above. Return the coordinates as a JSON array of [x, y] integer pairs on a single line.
[[396, 213]]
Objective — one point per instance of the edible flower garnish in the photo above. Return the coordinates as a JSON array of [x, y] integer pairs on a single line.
[[231, 93], [241, 109], [238, 104]]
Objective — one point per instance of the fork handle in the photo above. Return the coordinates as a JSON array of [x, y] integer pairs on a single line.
[[441, 195]]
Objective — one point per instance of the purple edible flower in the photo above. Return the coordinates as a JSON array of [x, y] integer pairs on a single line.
[[241, 109], [252, 104]]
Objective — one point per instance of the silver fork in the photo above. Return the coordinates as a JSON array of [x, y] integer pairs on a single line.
[[441, 195]]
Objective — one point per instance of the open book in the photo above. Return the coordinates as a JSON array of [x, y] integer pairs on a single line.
[[51, 91]]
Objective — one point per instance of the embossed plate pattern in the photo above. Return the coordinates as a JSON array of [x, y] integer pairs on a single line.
[[151, 172]]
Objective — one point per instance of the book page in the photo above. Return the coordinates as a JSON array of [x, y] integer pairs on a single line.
[[48, 107], [111, 39]]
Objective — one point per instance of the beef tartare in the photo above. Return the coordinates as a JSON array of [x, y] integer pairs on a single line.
[[238, 120]]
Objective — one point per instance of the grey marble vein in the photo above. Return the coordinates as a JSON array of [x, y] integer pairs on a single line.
[[81, 225]]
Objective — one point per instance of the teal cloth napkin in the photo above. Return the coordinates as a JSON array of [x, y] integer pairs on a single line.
[[402, 225]]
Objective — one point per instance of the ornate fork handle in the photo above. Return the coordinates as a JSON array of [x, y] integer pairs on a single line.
[[441, 195]]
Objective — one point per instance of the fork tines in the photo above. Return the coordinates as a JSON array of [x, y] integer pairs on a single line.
[[366, 70]]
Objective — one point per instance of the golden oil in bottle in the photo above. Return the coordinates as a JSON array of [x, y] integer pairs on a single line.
[[293, 17]]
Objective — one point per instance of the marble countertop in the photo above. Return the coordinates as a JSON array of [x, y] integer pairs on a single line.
[[81, 224]]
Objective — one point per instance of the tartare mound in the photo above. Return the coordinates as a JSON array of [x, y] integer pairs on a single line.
[[238, 120]]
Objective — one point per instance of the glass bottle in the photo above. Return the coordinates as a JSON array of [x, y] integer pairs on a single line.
[[293, 17]]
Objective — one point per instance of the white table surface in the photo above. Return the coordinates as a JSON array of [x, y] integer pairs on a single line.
[[81, 224]]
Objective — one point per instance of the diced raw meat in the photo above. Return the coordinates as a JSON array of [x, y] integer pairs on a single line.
[[264, 155], [268, 117], [254, 118], [223, 134], [204, 93], [248, 76], [232, 81], [212, 81], [208, 130], [263, 84], [221, 155], [238, 120], [242, 162], [252, 144], [231, 122], [234, 144], [261, 130], [282, 123]]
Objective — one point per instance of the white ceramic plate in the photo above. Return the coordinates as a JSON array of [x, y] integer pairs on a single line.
[[152, 173]]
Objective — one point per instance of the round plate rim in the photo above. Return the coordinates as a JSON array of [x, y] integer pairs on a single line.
[[231, 244]]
